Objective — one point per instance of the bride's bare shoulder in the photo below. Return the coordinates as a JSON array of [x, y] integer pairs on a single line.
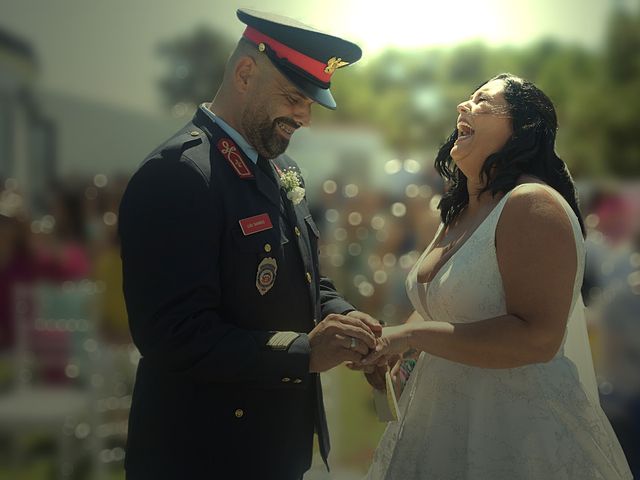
[[533, 211]]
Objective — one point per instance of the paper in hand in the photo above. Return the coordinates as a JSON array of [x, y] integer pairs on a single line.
[[385, 403]]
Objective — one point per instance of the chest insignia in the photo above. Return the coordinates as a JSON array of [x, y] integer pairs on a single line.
[[266, 275]]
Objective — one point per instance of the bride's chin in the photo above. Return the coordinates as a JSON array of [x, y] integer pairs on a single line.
[[458, 161], [456, 155]]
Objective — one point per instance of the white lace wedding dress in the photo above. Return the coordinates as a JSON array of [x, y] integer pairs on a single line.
[[537, 422]]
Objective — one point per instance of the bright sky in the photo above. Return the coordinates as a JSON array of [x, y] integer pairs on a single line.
[[105, 50], [410, 23]]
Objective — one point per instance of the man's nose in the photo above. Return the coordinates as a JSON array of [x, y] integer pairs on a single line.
[[303, 115]]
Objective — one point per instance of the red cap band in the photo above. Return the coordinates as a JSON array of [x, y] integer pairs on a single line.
[[310, 65]]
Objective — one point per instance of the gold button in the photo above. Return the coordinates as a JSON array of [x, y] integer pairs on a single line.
[[261, 47], [297, 230], [297, 380], [267, 247], [308, 277], [194, 133], [286, 380], [239, 413]]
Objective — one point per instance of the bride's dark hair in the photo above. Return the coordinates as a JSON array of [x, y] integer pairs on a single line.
[[530, 150]]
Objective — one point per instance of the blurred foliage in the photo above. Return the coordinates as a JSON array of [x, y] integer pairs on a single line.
[[411, 96], [196, 66]]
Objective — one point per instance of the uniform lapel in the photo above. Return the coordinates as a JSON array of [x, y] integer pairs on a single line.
[[265, 185], [262, 182], [296, 217]]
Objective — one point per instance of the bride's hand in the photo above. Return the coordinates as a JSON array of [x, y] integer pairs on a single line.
[[394, 341], [374, 373]]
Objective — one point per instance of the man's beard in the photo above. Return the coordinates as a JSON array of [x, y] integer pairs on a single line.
[[262, 133]]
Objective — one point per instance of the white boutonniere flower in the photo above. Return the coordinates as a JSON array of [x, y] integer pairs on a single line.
[[290, 180]]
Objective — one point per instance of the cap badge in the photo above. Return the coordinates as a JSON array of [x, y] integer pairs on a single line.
[[333, 64]]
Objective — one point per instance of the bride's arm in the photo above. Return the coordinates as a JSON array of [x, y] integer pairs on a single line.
[[537, 259], [375, 373]]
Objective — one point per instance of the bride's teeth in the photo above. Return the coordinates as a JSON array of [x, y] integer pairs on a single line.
[[465, 130]]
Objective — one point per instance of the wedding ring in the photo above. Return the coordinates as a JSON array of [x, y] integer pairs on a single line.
[[353, 343]]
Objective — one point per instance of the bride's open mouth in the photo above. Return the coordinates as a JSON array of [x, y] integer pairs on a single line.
[[465, 132]]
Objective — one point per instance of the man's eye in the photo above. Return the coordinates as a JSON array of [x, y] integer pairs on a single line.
[[291, 100]]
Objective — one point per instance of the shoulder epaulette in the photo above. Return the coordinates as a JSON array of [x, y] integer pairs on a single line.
[[178, 144]]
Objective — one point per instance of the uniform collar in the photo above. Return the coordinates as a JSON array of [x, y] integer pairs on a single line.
[[213, 126], [248, 150]]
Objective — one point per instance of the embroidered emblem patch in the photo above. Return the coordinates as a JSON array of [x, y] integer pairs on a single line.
[[231, 153], [266, 276], [255, 224]]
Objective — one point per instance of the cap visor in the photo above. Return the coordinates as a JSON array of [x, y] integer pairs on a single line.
[[320, 95]]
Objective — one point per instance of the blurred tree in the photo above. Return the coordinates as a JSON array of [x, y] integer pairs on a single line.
[[466, 64], [411, 96], [623, 45], [621, 88], [196, 66]]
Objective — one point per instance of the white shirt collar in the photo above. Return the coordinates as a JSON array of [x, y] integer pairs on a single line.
[[248, 150]]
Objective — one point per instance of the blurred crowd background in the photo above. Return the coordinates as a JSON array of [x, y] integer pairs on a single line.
[[68, 145]]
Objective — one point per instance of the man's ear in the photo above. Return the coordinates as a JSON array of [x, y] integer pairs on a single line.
[[244, 73]]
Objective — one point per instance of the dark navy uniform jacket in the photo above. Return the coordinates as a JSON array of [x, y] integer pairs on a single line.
[[217, 394]]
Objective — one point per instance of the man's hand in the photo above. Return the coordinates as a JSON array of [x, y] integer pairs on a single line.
[[394, 341], [339, 338], [373, 324], [375, 373], [376, 377]]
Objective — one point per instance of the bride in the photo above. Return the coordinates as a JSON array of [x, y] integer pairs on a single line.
[[504, 388]]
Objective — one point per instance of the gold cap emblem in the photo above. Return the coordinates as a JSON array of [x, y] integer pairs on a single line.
[[333, 64]]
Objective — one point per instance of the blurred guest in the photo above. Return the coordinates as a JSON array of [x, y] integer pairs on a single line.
[[18, 265], [107, 272], [67, 251]]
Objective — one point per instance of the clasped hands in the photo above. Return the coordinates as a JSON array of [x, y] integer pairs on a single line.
[[359, 340]]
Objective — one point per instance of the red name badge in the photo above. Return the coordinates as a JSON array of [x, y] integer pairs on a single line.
[[255, 224]]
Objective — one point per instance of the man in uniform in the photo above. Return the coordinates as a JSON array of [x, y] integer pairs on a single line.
[[225, 300]]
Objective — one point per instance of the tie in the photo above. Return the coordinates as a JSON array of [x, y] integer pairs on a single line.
[[265, 166]]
